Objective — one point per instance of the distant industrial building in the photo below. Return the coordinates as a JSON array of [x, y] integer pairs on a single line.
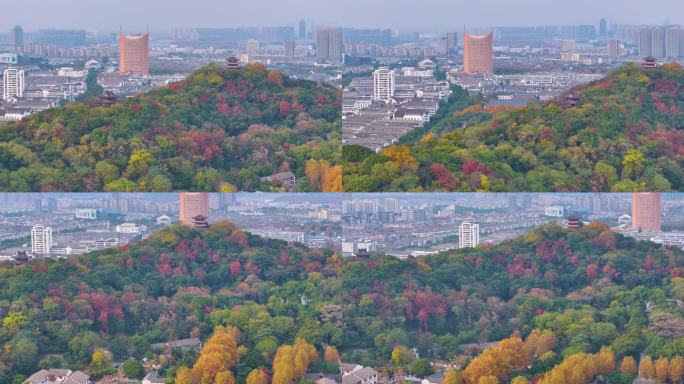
[[302, 29], [603, 28], [17, 38], [290, 49], [452, 43]]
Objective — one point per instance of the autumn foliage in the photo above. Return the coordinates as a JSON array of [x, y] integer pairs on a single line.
[[401, 156], [292, 361], [498, 362], [257, 376], [331, 355], [580, 368], [594, 144], [219, 355], [539, 342], [322, 176], [646, 368], [218, 129], [629, 365]]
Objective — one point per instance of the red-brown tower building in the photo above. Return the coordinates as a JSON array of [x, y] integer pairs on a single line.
[[646, 210], [193, 204], [134, 54], [478, 54]]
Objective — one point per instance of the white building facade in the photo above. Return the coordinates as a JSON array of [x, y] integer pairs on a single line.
[[41, 240], [383, 84], [468, 235], [14, 83]]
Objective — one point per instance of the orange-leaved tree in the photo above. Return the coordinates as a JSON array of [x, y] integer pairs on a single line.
[[291, 361], [628, 365], [257, 376], [500, 361], [219, 355], [331, 355]]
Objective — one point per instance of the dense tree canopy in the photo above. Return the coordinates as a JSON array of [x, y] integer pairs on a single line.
[[267, 310], [622, 133], [219, 129]]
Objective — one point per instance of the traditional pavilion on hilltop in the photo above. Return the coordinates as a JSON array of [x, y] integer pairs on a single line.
[[200, 221], [574, 223], [233, 63]]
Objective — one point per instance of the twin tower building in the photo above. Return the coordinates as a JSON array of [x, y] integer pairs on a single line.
[[134, 57]]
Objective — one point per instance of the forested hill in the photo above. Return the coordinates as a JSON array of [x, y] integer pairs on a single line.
[[590, 287], [218, 129], [622, 133]]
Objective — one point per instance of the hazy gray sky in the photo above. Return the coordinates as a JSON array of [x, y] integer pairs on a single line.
[[400, 14]]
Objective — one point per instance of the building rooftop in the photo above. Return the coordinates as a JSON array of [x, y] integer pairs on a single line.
[[182, 343], [358, 376]]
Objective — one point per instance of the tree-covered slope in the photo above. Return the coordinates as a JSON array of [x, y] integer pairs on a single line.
[[218, 129], [622, 133], [590, 287]]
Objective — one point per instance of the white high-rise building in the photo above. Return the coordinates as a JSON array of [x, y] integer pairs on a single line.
[[14, 83], [468, 235], [41, 239], [383, 84]]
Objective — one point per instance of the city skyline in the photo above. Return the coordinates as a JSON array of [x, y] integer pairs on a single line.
[[105, 17], [284, 255], [311, 191], [396, 224]]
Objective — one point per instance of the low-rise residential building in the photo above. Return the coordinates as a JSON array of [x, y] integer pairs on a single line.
[[365, 375], [130, 228], [286, 179], [153, 378], [435, 378], [58, 376], [189, 343], [377, 111]]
